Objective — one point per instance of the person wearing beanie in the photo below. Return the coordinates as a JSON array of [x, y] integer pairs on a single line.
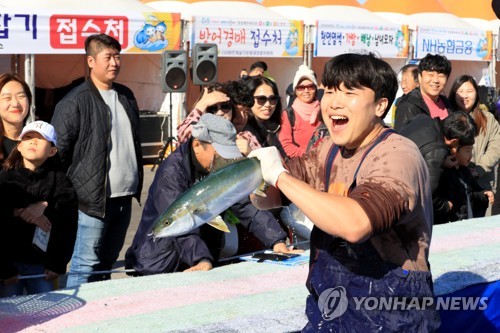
[[300, 120]]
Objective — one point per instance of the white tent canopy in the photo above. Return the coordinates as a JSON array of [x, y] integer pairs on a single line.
[[139, 71], [396, 18], [480, 24], [234, 9], [295, 13], [214, 8], [345, 13], [440, 20], [90, 6], [172, 7], [328, 13]]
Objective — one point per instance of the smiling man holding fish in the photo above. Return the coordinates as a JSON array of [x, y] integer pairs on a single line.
[[172, 235], [366, 189]]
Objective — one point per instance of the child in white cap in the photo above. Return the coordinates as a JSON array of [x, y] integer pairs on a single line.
[[39, 214]]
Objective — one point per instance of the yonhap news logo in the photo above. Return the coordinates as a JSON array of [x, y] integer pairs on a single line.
[[333, 303]]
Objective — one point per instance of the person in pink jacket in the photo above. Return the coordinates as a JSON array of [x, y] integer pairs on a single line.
[[299, 121]]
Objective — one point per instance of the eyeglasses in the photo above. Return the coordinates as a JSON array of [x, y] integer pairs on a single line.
[[261, 100], [224, 107], [308, 87]]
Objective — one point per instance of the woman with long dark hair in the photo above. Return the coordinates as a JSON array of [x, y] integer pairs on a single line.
[[265, 118], [464, 96]]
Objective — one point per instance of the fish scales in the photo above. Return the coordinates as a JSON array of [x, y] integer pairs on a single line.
[[209, 197]]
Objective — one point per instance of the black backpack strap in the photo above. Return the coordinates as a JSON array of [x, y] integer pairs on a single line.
[[291, 118]]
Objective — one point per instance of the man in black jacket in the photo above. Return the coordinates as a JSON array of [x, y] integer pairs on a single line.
[[97, 126], [433, 73], [199, 249], [435, 139]]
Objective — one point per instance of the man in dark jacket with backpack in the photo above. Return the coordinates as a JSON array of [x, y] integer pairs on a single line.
[[97, 126], [435, 138]]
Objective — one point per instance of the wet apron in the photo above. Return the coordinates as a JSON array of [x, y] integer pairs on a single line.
[[342, 273]]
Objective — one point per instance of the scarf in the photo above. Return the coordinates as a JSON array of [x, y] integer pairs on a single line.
[[307, 111]]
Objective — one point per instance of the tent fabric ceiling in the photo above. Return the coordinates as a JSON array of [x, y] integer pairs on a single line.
[[213, 8], [345, 13], [480, 9], [405, 6], [274, 3], [440, 20], [396, 18], [221, 8], [78, 5], [328, 13], [182, 7], [295, 13], [482, 24]]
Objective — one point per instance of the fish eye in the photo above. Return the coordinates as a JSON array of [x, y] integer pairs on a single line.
[[168, 222]]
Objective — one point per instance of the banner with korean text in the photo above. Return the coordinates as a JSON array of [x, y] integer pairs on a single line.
[[455, 44], [388, 41], [240, 37], [24, 32]]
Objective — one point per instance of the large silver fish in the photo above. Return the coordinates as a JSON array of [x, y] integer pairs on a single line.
[[203, 202]]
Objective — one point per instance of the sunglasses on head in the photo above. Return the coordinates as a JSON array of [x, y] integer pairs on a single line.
[[261, 100], [308, 87], [224, 107]]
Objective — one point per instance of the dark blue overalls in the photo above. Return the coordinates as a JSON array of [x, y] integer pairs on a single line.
[[342, 273]]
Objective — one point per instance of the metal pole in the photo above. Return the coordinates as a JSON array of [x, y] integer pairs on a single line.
[[29, 77]]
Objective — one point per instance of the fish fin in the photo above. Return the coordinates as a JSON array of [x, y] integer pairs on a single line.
[[218, 223], [261, 190]]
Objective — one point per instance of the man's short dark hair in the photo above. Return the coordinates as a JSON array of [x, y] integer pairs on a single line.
[[258, 64], [240, 93], [413, 69], [96, 43], [362, 71], [435, 63], [460, 125]]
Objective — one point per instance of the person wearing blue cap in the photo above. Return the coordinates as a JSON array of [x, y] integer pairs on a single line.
[[35, 242]]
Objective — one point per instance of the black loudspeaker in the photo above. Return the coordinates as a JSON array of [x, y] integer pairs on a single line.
[[204, 63], [174, 66], [154, 129]]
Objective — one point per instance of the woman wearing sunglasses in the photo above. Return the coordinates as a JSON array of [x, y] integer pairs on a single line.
[[264, 122], [303, 117], [228, 101]]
